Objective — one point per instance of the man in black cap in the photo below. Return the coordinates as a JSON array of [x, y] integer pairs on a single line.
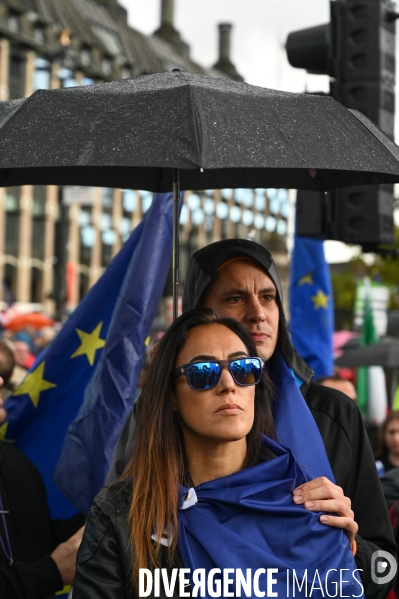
[[238, 278]]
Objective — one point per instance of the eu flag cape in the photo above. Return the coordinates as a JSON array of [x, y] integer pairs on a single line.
[[102, 342], [295, 425], [248, 520], [311, 305]]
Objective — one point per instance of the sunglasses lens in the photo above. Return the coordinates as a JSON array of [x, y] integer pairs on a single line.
[[203, 375], [246, 371]]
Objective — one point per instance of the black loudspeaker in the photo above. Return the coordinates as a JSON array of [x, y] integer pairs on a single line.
[[364, 214], [311, 215]]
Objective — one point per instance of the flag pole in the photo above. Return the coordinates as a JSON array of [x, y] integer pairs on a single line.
[[175, 253]]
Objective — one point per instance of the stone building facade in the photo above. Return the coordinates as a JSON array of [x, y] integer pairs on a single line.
[[61, 43]]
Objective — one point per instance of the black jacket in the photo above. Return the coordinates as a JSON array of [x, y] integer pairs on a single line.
[[33, 534], [104, 560]]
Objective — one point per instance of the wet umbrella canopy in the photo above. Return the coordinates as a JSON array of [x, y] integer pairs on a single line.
[[219, 133], [177, 130]]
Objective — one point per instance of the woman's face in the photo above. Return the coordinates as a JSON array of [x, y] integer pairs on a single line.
[[392, 436], [226, 412]]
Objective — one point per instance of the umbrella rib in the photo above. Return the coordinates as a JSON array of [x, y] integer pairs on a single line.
[[318, 180], [11, 117], [175, 255], [197, 123]]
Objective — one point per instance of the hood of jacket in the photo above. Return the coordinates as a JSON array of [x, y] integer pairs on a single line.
[[204, 265]]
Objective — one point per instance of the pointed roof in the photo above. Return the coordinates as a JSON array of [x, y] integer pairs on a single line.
[[101, 26]]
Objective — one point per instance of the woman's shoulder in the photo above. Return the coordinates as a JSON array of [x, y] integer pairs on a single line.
[[114, 498]]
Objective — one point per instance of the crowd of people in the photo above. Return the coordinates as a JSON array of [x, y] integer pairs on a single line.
[[232, 458]]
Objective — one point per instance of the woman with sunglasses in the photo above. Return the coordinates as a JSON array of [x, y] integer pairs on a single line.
[[207, 488]]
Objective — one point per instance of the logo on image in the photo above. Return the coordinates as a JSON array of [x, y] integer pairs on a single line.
[[383, 567]]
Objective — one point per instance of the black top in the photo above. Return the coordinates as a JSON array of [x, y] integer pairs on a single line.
[[33, 534]]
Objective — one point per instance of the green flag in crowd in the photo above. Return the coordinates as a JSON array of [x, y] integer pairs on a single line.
[[368, 336], [396, 400]]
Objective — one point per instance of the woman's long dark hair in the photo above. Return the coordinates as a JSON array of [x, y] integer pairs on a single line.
[[158, 460]]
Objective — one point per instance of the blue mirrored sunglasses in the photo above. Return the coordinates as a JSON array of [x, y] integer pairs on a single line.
[[205, 375]]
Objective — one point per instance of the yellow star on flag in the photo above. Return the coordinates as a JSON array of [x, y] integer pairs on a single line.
[[3, 431], [320, 300], [306, 279], [33, 384], [89, 344]]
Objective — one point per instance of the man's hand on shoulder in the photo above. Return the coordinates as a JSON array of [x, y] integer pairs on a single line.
[[65, 556], [321, 495]]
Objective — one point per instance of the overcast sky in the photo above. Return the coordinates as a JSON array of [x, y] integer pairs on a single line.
[[260, 28]]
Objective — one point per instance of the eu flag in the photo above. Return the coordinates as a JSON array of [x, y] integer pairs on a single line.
[[311, 305], [58, 425]]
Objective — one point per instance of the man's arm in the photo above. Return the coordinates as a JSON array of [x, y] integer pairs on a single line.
[[36, 580], [64, 556], [62, 530], [40, 579]]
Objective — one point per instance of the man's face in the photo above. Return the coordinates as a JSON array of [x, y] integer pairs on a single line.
[[242, 290]]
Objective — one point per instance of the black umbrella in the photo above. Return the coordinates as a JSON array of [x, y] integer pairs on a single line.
[[158, 131], [219, 133], [384, 353], [353, 343]]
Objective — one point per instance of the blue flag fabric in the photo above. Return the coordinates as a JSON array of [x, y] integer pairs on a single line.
[[295, 426], [117, 314], [248, 520], [311, 305]]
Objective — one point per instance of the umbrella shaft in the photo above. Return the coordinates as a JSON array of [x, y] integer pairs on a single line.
[[175, 257]]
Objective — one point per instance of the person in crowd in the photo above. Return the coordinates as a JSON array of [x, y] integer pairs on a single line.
[[387, 455], [336, 381], [18, 372], [207, 484], [22, 345], [37, 554], [42, 339], [7, 368], [238, 278]]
